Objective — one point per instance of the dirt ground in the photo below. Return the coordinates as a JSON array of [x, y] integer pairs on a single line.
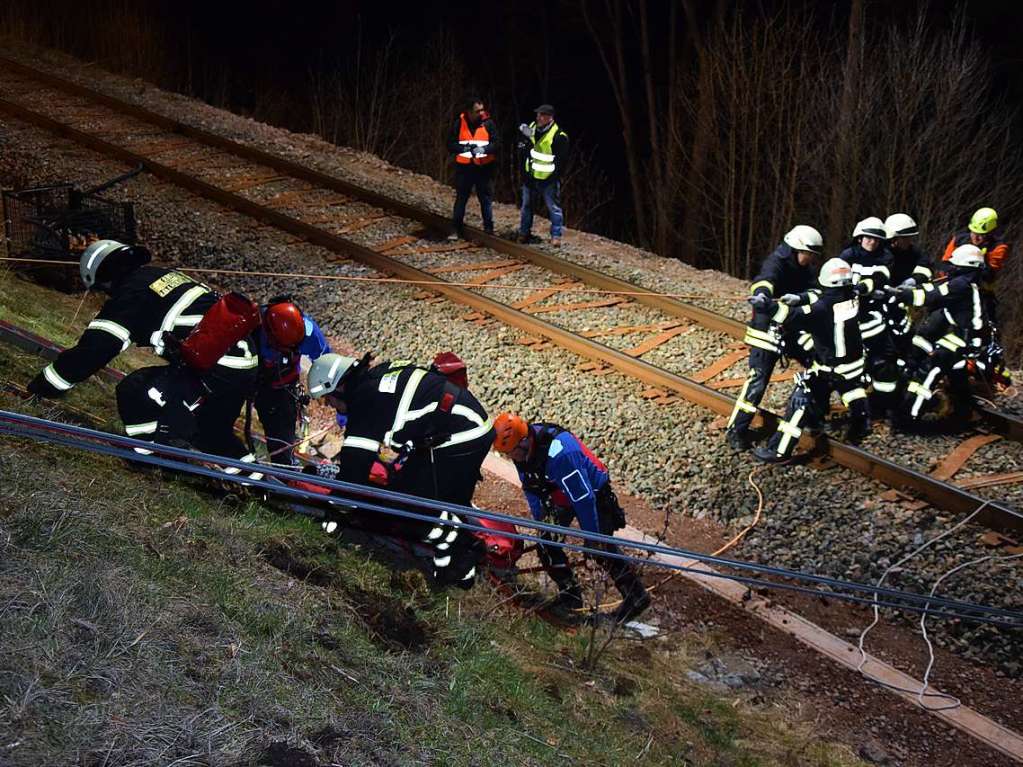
[[849, 708]]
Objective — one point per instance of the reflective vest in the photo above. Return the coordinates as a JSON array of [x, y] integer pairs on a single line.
[[478, 138], [540, 163]]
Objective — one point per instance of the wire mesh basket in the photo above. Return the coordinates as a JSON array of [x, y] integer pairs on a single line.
[[57, 223]]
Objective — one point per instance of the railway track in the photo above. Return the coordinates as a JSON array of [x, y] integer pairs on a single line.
[[304, 202]]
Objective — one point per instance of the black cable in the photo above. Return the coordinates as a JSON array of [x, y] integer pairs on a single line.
[[75, 436]]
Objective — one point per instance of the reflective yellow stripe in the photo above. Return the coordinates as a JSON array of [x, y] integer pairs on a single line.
[[133, 430], [852, 396], [762, 284], [55, 379], [117, 331]]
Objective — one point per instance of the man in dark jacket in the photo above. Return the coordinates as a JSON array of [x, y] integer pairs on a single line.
[[158, 308], [412, 430], [786, 273], [544, 147], [473, 142], [910, 267], [838, 364]]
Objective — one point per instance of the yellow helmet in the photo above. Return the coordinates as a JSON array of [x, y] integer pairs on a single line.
[[984, 220]]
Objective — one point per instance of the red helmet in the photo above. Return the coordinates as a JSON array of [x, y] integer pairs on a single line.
[[284, 325]]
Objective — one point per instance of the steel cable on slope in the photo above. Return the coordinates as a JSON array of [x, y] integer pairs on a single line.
[[39, 429]]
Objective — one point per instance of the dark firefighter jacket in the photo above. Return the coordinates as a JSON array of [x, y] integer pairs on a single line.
[[960, 301], [873, 268], [143, 304], [832, 322], [395, 404], [779, 274], [911, 262]]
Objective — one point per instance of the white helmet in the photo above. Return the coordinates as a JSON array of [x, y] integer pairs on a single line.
[[900, 225], [870, 227], [967, 256], [835, 273], [805, 238], [93, 256], [327, 372]]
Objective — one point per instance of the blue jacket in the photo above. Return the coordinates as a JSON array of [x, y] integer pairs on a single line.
[[563, 472]]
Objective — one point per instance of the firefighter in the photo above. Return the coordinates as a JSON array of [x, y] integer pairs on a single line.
[[910, 267], [871, 262], [158, 308], [285, 335], [413, 430], [788, 271], [473, 142], [838, 364], [562, 479], [959, 301], [983, 232]]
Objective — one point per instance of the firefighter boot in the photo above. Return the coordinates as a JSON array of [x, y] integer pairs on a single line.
[[738, 439], [635, 598]]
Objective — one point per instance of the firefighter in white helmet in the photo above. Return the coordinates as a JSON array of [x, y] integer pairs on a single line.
[[838, 364], [871, 262], [158, 308], [964, 339], [785, 275], [412, 429], [910, 267]]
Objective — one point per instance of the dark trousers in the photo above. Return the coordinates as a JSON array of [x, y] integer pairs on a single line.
[[157, 404], [480, 178], [809, 404], [277, 409], [610, 518]]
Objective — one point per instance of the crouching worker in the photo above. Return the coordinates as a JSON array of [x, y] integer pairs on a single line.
[[195, 400], [838, 364], [562, 479], [412, 430], [962, 332], [284, 337]]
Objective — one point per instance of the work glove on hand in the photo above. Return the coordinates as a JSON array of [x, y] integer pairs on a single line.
[[759, 301], [909, 282], [40, 387], [342, 420], [526, 130], [791, 299]]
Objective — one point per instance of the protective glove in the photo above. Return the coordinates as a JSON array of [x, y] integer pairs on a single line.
[[473, 149], [342, 420], [909, 282], [488, 149], [526, 130], [791, 299], [861, 288], [759, 301], [40, 387]]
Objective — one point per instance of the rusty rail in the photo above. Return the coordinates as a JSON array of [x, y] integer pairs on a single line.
[[940, 494]]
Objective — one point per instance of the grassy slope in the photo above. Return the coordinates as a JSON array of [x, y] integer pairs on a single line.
[[143, 621]]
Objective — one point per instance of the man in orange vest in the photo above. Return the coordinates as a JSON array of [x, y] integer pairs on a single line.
[[473, 141]]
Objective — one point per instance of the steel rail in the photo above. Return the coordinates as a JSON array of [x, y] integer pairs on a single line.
[[1006, 424], [940, 494]]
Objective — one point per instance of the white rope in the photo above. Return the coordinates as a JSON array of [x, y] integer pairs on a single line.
[[922, 692]]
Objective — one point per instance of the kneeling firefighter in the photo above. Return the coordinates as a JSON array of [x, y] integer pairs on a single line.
[[416, 430], [195, 400], [838, 364], [561, 479]]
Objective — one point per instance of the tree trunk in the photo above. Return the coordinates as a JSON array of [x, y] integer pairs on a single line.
[[846, 165]]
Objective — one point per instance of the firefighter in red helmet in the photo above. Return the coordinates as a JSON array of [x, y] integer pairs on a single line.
[[285, 335]]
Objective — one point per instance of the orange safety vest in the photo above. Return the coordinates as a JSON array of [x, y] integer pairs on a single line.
[[479, 138], [995, 251]]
